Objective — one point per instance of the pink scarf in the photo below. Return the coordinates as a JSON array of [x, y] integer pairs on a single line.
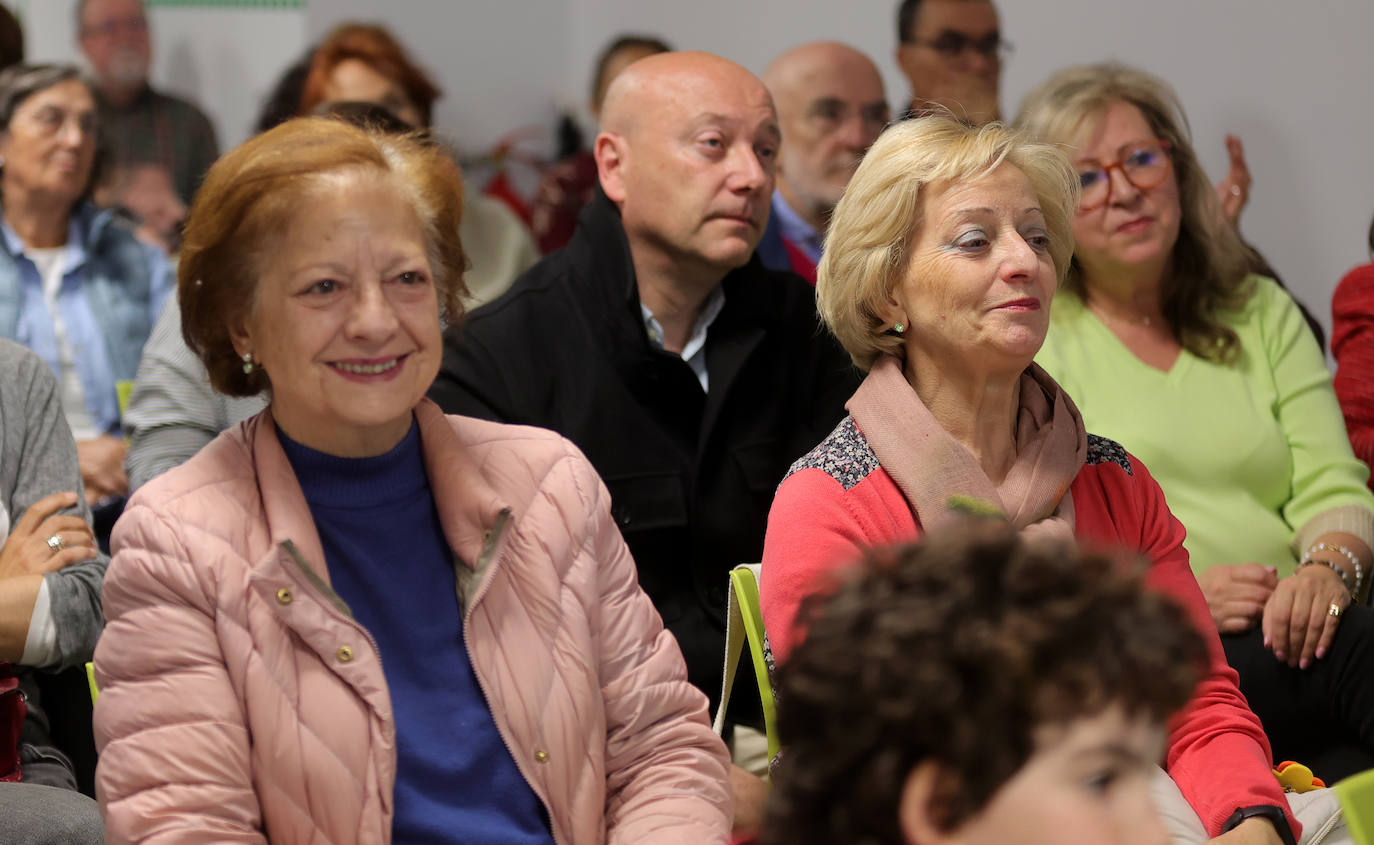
[[931, 468]]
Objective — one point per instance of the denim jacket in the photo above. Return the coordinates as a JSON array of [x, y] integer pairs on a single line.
[[113, 286]]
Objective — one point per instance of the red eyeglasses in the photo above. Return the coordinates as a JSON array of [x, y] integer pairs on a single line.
[[1144, 164]]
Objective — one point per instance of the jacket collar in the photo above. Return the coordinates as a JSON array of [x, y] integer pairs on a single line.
[[603, 275], [467, 504], [599, 254], [84, 230], [602, 278]]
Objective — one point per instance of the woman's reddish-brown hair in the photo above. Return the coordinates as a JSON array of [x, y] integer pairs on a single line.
[[375, 47], [245, 205]]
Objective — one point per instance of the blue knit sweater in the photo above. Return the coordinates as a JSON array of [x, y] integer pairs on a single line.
[[456, 781]]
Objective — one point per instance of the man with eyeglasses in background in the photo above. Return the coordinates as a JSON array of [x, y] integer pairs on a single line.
[[831, 108], [141, 127], [951, 53]]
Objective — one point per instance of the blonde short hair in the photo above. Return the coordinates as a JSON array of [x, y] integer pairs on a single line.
[[868, 245], [1210, 262]]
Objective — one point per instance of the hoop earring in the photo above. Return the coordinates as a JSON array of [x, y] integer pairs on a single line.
[[247, 363]]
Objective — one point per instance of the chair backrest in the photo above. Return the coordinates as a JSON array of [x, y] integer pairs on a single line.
[[744, 625], [1357, 801]]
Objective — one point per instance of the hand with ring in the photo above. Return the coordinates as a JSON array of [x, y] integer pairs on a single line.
[[1301, 618], [44, 540], [1234, 189]]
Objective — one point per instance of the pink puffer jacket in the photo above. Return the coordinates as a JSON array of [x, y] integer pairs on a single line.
[[240, 702]]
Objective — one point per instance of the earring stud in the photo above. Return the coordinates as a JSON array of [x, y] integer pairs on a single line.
[[898, 328]]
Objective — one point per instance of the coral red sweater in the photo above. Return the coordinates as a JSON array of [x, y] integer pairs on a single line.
[[1352, 342], [838, 500]]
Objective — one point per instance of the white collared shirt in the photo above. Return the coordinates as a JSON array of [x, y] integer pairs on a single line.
[[694, 350]]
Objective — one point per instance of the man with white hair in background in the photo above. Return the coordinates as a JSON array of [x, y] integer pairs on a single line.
[[141, 127], [831, 107]]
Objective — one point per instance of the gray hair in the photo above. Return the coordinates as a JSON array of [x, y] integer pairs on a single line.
[[19, 82]]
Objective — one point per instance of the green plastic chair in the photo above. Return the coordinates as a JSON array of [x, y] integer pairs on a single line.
[[744, 624], [1356, 794], [90, 681]]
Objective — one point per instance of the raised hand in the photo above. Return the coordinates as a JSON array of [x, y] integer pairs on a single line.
[[1234, 189]]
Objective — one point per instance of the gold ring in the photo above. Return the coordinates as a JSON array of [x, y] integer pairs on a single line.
[[1334, 610]]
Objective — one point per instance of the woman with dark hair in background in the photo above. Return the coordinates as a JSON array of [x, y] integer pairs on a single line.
[[76, 286], [1352, 344]]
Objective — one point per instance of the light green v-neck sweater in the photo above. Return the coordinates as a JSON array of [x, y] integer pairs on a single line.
[[1253, 457]]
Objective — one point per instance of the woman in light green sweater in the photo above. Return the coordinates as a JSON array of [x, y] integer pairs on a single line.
[[1211, 376]]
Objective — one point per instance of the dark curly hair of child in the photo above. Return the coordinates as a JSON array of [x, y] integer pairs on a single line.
[[958, 650]]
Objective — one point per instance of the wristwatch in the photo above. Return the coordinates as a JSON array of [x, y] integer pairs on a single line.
[[1273, 814]]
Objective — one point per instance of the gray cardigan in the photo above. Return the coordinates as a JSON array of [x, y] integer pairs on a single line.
[[38, 458]]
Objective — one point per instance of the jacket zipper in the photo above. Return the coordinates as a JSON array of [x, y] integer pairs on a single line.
[[1320, 835], [484, 565]]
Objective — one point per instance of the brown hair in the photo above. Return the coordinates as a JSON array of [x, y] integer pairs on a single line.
[[957, 650], [377, 48], [11, 39], [246, 202], [1210, 263], [648, 43]]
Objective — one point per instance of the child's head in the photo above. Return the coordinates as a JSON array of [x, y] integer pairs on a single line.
[[976, 689]]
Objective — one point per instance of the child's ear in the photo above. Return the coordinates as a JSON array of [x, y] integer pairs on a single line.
[[923, 810]]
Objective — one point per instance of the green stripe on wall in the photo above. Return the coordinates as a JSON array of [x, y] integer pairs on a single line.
[[230, 4]]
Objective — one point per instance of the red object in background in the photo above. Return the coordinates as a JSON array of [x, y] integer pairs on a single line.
[[801, 265], [501, 188], [564, 190], [1352, 345], [499, 158], [12, 711]]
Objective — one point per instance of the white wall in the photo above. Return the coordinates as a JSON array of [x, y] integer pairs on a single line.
[[1290, 78]]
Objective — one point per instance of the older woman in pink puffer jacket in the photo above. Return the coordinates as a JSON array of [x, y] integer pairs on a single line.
[[352, 618]]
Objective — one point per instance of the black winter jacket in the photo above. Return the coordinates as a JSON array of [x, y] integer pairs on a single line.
[[691, 474]]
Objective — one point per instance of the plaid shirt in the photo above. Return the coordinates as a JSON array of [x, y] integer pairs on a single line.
[[164, 130]]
